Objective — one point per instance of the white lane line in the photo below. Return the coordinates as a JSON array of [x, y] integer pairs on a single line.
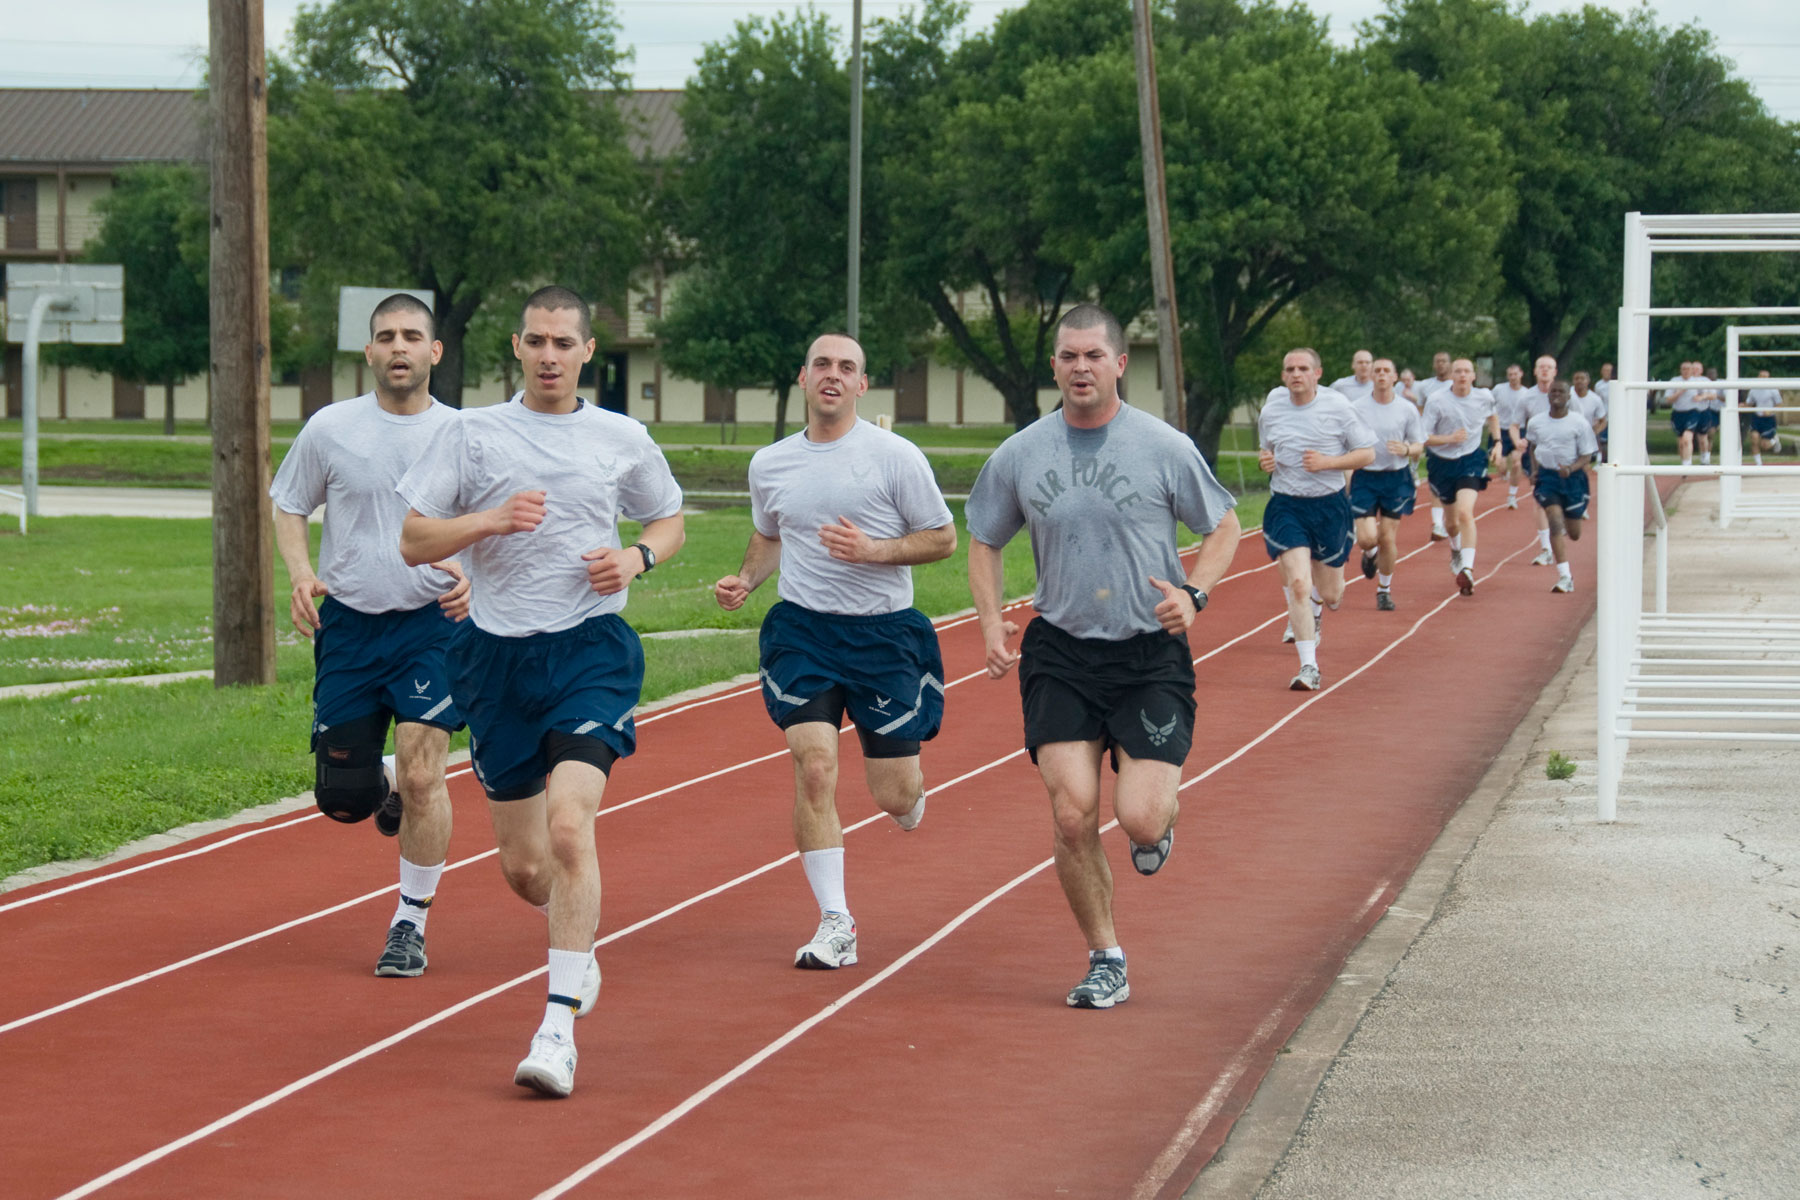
[[1202, 1114], [325, 1072]]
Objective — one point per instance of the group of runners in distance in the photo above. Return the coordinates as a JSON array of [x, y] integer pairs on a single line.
[[471, 571]]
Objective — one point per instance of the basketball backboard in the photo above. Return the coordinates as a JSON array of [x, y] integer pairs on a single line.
[[357, 304], [93, 311]]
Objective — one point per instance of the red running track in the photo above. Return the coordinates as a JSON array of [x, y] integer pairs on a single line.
[[207, 1024]]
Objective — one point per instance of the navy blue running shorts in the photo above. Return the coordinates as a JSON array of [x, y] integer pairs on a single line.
[[514, 691], [1448, 476], [1571, 494], [887, 664], [1320, 523], [1382, 493], [392, 662]]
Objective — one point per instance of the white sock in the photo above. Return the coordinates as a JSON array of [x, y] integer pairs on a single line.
[[1706, 459], [1562, 571], [1759, 458], [1543, 539], [825, 872], [1309, 653], [1382, 582], [566, 969], [1110, 952], [417, 886], [1437, 516], [1469, 560], [1512, 493]]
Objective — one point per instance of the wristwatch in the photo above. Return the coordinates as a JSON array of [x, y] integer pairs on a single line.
[[1196, 595], [649, 557]]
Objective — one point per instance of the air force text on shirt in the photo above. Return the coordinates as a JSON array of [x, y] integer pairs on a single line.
[[1103, 477]]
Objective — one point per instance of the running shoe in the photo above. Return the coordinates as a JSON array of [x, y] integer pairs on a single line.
[[1439, 533], [1465, 582], [1307, 680], [550, 1067], [1563, 585], [1287, 635], [909, 820], [1104, 985], [1455, 562], [1384, 602], [387, 817], [404, 954], [1512, 502], [1319, 628], [1149, 859], [1544, 559], [590, 988], [1368, 564], [833, 946]]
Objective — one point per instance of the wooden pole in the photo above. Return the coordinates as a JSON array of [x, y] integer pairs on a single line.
[[853, 268], [1156, 201], [243, 554]]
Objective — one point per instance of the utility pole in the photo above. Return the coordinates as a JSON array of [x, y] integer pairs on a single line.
[[243, 556], [1156, 201], [853, 301]]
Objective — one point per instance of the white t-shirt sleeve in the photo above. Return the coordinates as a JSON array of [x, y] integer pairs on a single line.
[[432, 487], [299, 485]]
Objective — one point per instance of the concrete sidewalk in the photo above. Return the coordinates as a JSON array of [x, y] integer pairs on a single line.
[[60, 501], [1555, 1007]]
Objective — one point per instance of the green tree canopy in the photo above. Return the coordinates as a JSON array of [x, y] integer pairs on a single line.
[[465, 146]]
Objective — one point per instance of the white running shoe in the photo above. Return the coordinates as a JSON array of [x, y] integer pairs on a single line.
[[909, 820], [1465, 582], [1563, 584], [833, 946], [1287, 635], [550, 1067], [590, 987], [1306, 681], [1544, 559], [1512, 502], [1439, 533]]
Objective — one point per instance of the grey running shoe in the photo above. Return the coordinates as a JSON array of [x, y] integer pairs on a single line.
[[1149, 859], [1368, 564], [1465, 582], [1104, 986], [1455, 561], [1544, 559], [1319, 628], [1384, 602], [1287, 636], [387, 817], [1563, 585], [590, 988], [404, 954], [550, 1067], [1306, 681], [833, 946]]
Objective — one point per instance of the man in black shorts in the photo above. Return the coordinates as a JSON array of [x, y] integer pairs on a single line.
[[1105, 666]]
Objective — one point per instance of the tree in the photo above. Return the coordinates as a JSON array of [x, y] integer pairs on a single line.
[[465, 146], [153, 223], [1294, 167], [758, 203], [1601, 114], [961, 225]]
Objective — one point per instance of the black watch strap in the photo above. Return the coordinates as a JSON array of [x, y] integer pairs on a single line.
[[649, 557], [1196, 595]]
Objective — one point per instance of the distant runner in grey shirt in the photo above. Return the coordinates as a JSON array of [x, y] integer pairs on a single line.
[[1105, 667], [1509, 406], [1562, 445], [1456, 465], [1765, 433], [1360, 382], [845, 509], [1382, 493], [1309, 438], [380, 637], [1423, 391], [1536, 401]]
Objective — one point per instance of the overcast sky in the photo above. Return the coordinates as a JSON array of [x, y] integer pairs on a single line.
[[160, 43]]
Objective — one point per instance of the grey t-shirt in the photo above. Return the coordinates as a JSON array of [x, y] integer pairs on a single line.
[[1687, 400], [1429, 387], [1591, 406], [1326, 423], [348, 457], [1760, 398], [877, 479], [1509, 405], [1535, 403], [1350, 389], [595, 466], [1446, 412], [1558, 441], [1394, 421], [1101, 505]]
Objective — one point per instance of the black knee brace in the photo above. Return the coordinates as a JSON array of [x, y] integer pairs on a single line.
[[350, 783]]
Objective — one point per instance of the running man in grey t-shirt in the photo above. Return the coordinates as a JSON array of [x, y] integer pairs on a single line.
[[546, 670], [380, 636], [1105, 666], [845, 509]]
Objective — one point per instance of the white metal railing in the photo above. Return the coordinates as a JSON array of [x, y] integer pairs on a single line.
[[1732, 502], [1700, 669]]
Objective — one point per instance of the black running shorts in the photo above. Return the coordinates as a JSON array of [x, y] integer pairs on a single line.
[[1136, 694]]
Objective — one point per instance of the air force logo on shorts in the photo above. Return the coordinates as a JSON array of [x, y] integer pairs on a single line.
[[1158, 734]]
